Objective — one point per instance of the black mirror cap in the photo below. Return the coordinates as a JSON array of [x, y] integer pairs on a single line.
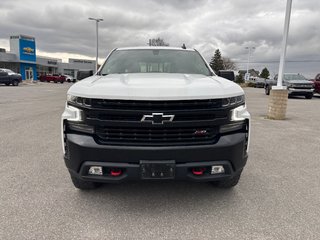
[[84, 74]]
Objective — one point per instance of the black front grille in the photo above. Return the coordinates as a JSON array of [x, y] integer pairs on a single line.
[[128, 116], [156, 105], [119, 122], [156, 136], [302, 86]]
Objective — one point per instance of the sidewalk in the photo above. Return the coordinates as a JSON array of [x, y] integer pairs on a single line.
[[31, 82]]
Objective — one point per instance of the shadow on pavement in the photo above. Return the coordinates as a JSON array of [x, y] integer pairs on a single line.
[[158, 197]]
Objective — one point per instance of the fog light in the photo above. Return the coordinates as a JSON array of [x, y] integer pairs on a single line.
[[217, 169], [95, 170]]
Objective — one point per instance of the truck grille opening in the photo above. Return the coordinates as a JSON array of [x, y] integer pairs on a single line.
[[120, 122], [159, 136], [157, 105]]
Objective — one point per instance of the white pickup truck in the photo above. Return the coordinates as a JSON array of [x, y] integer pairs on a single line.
[[155, 113]]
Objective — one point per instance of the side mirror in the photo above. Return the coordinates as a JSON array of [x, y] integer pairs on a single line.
[[84, 74]]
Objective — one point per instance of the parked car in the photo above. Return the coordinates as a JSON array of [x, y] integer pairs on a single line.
[[259, 82], [316, 83], [8, 77], [296, 84], [70, 78], [53, 78]]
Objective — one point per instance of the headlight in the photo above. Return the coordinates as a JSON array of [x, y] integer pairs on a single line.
[[240, 113], [72, 114], [233, 101], [81, 101]]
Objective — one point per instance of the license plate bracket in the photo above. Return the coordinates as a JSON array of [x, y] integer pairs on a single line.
[[157, 169]]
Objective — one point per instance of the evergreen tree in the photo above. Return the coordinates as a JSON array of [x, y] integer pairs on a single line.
[[265, 73], [216, 61], [239, 79]]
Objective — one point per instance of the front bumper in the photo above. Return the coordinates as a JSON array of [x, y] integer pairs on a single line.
[[82, 152], [297, 91]]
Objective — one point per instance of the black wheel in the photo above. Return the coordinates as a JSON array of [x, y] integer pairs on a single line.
[[84, 185], [229, 183], [309, 96], [15, 83], [267, 90], [61, 82], [7, 84]]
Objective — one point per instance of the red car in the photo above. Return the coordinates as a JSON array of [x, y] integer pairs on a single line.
[[316, 82], [53, 78]]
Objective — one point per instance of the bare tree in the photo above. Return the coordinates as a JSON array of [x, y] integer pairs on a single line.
[[228, 64], [157, 42]]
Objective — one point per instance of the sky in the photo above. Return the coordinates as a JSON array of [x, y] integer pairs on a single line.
[[62, 28]]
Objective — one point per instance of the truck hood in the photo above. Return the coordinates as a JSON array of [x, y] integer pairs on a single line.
[[297, 82], [155, 86]]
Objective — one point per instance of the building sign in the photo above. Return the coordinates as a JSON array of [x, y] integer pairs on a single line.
[[27, 50], [81, 61], [52, 62]]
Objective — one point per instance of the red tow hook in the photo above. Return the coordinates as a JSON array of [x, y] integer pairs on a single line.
[[115, 172], [198, 171]]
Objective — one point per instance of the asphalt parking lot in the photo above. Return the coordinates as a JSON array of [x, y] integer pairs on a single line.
[[278, 196]]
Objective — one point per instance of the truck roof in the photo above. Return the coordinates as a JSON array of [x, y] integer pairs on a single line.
[[155, 48]]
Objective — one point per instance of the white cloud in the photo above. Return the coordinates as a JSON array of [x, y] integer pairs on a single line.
[[62, 28]]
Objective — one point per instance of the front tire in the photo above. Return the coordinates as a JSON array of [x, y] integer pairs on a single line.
[[84, 185], [15, 83], [267, 90], [309, 96], [228, 183]]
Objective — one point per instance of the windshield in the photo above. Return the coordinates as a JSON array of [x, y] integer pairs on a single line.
[[7, 70], [291, 77], [155, 61]]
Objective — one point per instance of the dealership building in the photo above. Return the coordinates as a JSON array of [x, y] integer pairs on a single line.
[[23, 59]]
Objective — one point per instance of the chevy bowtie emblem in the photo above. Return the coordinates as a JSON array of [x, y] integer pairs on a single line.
[[28, 49], [157, 118]]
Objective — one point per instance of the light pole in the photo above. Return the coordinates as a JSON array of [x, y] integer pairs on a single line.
[[97, 54], [249, 53], [284, 42], [279, 94]]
